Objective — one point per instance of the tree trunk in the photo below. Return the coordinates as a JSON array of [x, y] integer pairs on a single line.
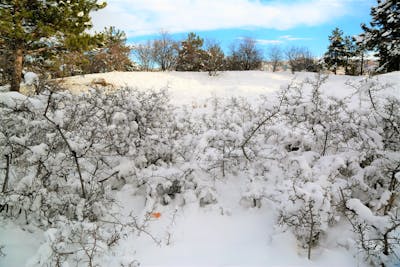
[[17, 65], [310, 239], [7, 177], [362, 63]]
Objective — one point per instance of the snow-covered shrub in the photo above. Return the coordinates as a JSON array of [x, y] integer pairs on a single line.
[[63, 154], [327, 151], [48, 174], [314, 159], [371, 204], [78, 145], [71, 243], [165, 184], [219, 149], [305, 199], [364, 141], [371, 198], [320, 122]]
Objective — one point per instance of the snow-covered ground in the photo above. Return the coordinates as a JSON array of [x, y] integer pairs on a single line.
[[194, 87], [224, 234], [228, 234]]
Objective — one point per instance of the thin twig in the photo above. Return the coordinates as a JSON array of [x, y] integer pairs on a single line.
[[72, 151]]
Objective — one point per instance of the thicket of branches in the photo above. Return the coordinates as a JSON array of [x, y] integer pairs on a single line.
[[320, 159]]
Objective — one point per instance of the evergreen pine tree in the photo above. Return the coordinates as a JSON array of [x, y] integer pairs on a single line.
[[335, 56], [360, 54], [191, 54], [349, 55], [29, 27], [383, 35], [215, 59], [113, 55]]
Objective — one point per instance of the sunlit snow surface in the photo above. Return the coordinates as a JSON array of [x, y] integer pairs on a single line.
[[193, 87]]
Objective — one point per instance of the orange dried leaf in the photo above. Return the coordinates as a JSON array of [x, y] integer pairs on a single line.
[[156, 215]]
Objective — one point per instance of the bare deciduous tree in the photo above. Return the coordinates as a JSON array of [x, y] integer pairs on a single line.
[[144, 54], [250, 55], [245, 57], [300, 59], [165, 51], [275, 57]]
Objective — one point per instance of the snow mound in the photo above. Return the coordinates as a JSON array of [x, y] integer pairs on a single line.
[[31, 78]]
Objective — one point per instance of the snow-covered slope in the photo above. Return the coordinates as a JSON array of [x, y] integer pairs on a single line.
[[193, 87]]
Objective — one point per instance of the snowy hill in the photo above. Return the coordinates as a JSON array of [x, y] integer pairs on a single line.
[[191, 87], [230, 174]]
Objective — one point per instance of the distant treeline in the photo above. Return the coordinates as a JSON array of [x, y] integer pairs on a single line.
[[28, 43]]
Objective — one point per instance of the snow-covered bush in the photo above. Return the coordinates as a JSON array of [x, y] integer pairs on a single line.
[[317, 151], [63, 154], [83, 240], [371, 199], [307, 196], [71, 243], [223, 129], [316, 160], [321, 123], [69, 149], [364, 143]]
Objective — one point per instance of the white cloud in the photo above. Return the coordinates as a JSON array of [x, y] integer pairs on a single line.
[[281, 39], [292, 38], [140, 17], [268, 42]]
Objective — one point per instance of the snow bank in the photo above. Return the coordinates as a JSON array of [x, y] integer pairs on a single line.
[[366, 214], [191, 88], [20, 244], [31, 78], [13, 99]]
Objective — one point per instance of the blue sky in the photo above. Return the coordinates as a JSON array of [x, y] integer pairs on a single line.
[[270, 22]]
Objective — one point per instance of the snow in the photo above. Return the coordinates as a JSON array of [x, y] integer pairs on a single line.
[[226, 233], [119, 117], [365, 214], [38, 151], [192, 88], [21, 244], [31, 78], [12, 99]]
